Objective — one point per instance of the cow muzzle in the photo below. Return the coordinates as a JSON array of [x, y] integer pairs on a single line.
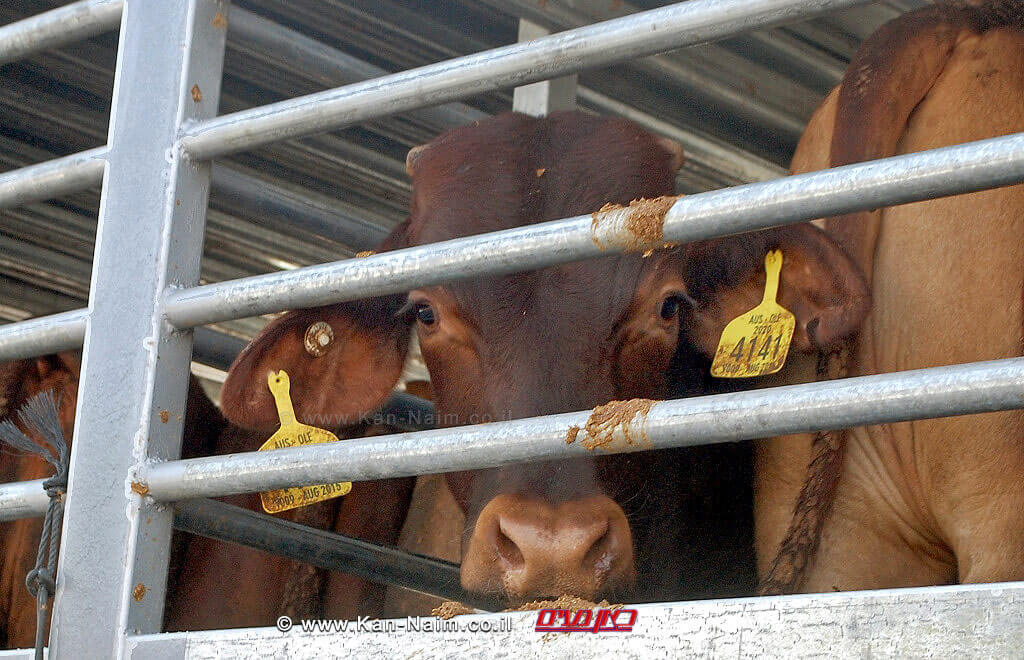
[[524, 547]]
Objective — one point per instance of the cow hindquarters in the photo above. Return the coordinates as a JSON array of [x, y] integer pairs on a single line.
[[949, 289], [874, 536], [976, 473], [934, 501]]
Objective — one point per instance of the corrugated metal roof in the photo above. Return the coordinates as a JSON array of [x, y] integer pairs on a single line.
[[738, 107]]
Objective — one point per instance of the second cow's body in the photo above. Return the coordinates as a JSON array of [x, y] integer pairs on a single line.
[[932, 501]]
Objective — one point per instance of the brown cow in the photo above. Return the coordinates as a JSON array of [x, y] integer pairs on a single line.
[[211, 584], [570, 337], [19, 540], [223, 585], [933, 501]]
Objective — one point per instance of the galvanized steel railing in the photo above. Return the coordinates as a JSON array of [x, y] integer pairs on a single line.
[[912, 177], [52, 29]]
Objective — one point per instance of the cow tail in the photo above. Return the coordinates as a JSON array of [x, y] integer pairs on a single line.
[[887, 78], [789, 568]]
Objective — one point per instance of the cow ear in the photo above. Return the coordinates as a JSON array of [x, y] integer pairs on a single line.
[[819, 284], [342, 361]]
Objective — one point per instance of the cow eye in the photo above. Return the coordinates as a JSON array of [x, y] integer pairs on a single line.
[[669, 308], [425, 314]]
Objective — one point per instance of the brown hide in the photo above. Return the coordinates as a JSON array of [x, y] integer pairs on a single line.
[[933, 501], [434, 528], [566, 338], [210, 584], [224, 585], [19, 539]]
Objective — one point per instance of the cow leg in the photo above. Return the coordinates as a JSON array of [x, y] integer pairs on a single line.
[[373, 511], [978, 490], [304, 583], [224, 585], [434, 528], [780, 467]]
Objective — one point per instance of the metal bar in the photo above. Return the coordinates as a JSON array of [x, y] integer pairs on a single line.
[[149, 237], [60, 176], [246, 195], [973, 621], [23, 499], [46, 334], [239, 191], [66, 331], [19, 654], [649, 32], [330, 65], [27, 499], [540, 99], [334, 552], [898, 180], [919, 394], [333, 67], [57, 27], [721, 95]]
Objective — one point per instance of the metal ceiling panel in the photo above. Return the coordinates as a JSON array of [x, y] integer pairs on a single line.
[[737, 106]]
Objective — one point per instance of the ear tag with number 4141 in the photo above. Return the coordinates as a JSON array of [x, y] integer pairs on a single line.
[[294, 434], [756, 343]]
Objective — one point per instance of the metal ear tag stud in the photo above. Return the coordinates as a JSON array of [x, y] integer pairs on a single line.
[[318, 339]]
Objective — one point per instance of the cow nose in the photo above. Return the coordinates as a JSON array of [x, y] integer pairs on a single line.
[[525, 547]]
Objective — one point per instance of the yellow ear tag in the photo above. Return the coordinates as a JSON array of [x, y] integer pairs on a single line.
[[294, 434], [756, 343]]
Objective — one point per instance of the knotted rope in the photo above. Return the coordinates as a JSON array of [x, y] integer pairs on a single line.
[[39, 415]]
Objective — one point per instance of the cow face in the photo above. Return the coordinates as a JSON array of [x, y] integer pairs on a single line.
[[560, 339]]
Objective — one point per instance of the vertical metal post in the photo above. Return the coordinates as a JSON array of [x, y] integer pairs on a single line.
[[114, 550], [542, 98]]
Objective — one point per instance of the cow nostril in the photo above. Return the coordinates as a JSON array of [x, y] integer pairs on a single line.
[[507, 550], [523, 547], [812, 330], [599, 555]]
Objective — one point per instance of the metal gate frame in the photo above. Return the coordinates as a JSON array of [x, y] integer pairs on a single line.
[[144, 302]]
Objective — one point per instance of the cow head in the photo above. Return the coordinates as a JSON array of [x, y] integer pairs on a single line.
[[560, 339]]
